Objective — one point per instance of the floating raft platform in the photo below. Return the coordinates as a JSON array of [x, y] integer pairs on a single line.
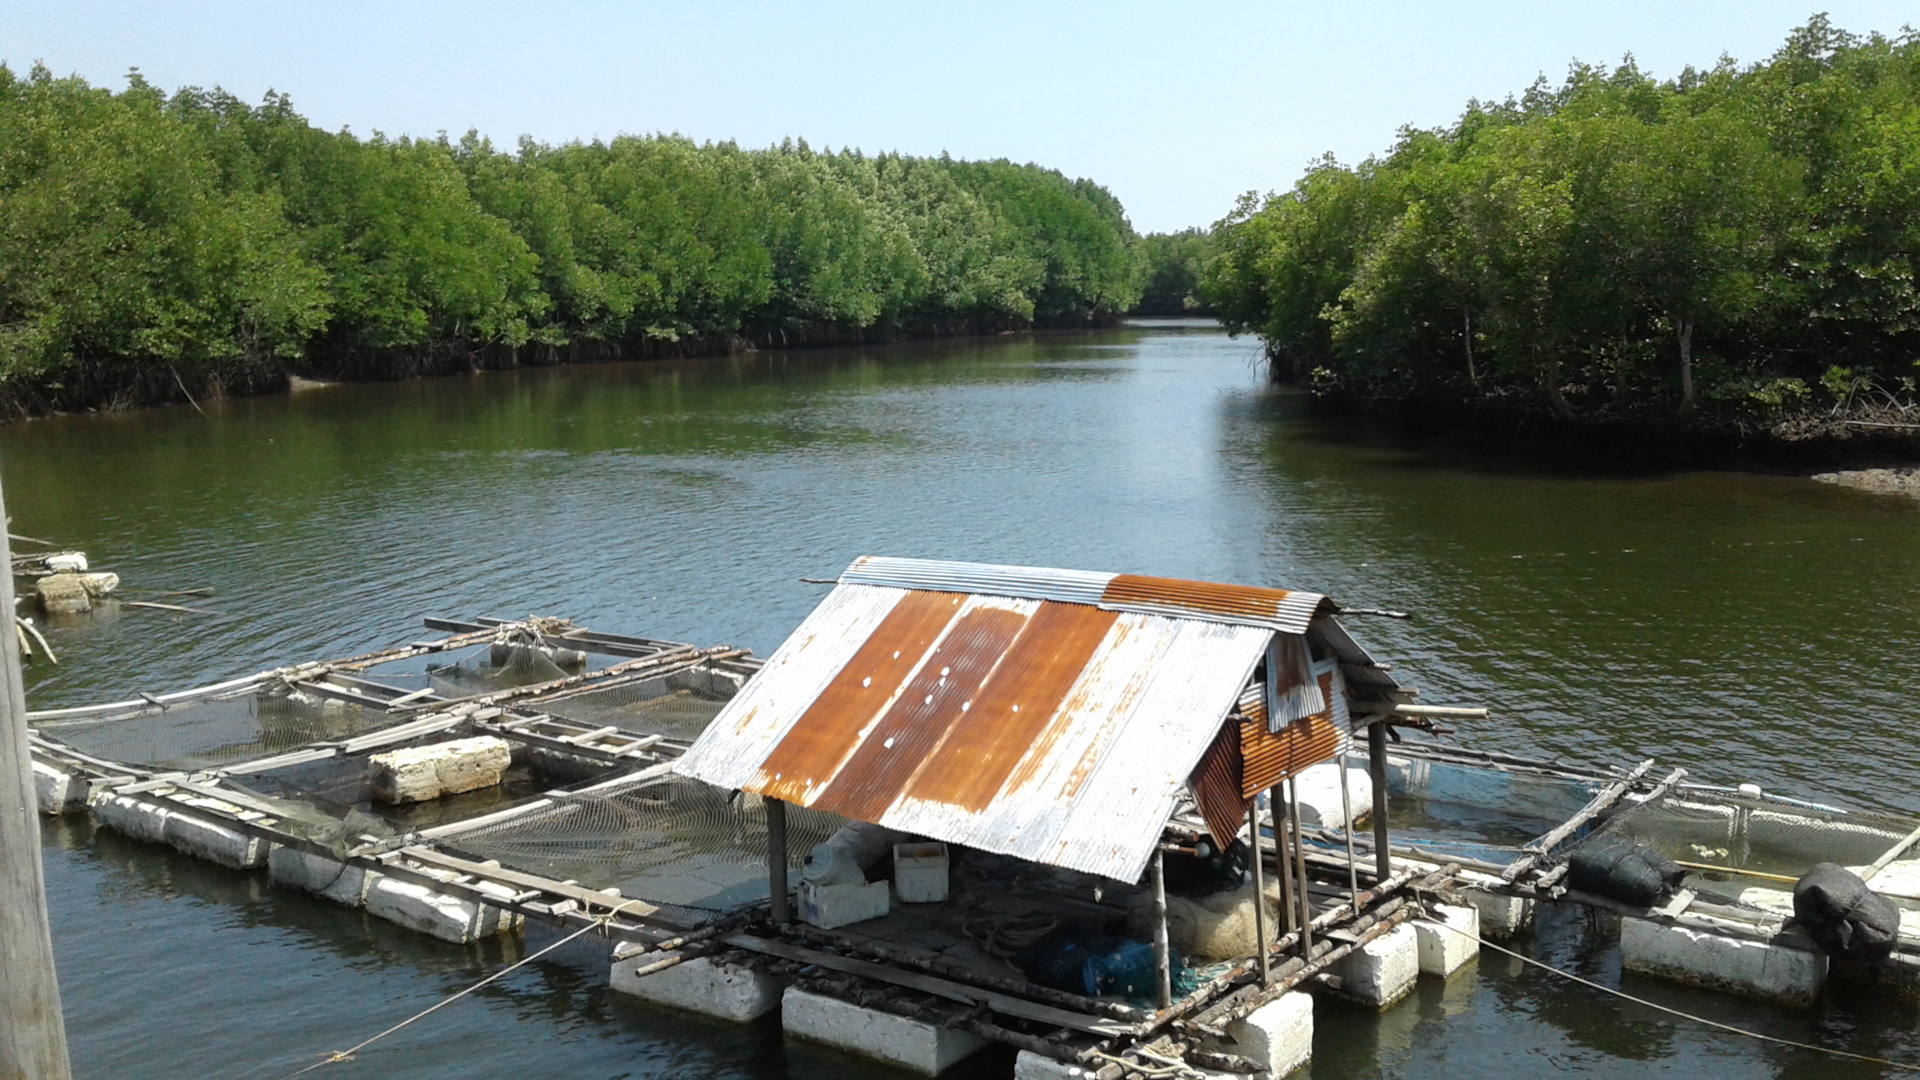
[[1392, 859]]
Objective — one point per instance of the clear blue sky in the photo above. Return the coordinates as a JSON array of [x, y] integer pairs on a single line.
[[1176, 108]]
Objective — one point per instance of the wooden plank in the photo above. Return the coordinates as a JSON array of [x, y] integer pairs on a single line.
[[589, 736], [455, 828], [1892, 853], [931, 984], [585, 897]]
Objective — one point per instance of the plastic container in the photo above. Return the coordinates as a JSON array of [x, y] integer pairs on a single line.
[[920, 873]]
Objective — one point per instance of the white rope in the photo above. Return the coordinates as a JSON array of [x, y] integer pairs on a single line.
[[1729, 1028], [347, 1054]]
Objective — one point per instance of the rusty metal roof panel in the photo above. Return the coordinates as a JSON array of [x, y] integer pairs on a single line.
[[1285, 610], [1055, 731]]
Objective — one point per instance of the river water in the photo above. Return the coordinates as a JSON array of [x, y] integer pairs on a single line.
[[1751, 628]]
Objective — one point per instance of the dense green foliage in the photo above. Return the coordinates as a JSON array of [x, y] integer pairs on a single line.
[[1743, 237], [150, 240], [1172, 266]]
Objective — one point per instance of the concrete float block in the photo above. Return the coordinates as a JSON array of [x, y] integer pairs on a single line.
[[915, 1045], [1735, 965], [1449, 940], [1278, 1035], [1501, 916], [57, 791], [209, 840], [338, 881], [63, 594], [440, 914], [1383, 970], [131, 815], [423, 773], [99, 584], [700, 985]]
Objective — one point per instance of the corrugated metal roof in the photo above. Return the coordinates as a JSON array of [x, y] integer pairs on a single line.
[[1044, 714], [1284, 610]]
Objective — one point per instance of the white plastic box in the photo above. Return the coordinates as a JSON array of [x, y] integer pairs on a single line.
[[830, 906], [920, 873]]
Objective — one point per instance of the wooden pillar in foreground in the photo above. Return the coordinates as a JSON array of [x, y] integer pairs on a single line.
[[1300, 866], [1259, 894], [33, 1036], [777, 859], [1377, 772], [1162, 955], [1282, 863]]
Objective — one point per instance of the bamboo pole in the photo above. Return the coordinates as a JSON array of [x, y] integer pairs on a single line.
[[33, 1036], [1300, 866], [1891, 854], [1613, 793], [1282, 863], [1162, 954], [1259, 893], [1346, 828]]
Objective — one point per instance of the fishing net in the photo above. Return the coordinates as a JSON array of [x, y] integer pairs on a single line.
[[1746, 835], [679, 709], [215, 731], [339, 786], [671, 841], [1476, 811]]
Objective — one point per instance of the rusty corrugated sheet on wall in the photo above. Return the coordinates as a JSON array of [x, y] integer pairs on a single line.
[[1216, 784]]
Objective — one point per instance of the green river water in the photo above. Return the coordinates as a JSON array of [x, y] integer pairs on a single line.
[[1752, 628]]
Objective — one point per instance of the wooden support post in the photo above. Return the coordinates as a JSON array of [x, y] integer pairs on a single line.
[[1259, 893], [1162, 955], [1282, 861], [1300, 866], [777, 859], [1346, 829], [33, 1036], [1377, 772]]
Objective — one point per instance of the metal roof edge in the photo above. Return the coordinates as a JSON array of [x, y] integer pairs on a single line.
[[1293, 611]]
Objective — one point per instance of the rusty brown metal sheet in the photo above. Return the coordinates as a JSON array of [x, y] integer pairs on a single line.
[[1268, 757], [1008, 718], [934, 704], [1216, 785], [1247, 601], [829, 730]]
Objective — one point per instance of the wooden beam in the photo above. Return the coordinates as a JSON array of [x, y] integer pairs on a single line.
[[1005, 1004], [1377, 772], [776, 859], [1538, 849], [33, 1036]]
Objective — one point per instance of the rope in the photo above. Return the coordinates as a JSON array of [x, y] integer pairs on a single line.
[[1729, 1028], [347, 1054]]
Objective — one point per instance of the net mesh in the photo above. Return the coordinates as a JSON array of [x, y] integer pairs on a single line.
[[1741, 833], [680, 710], [1473, 811], [671, 841], [217, 731]]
